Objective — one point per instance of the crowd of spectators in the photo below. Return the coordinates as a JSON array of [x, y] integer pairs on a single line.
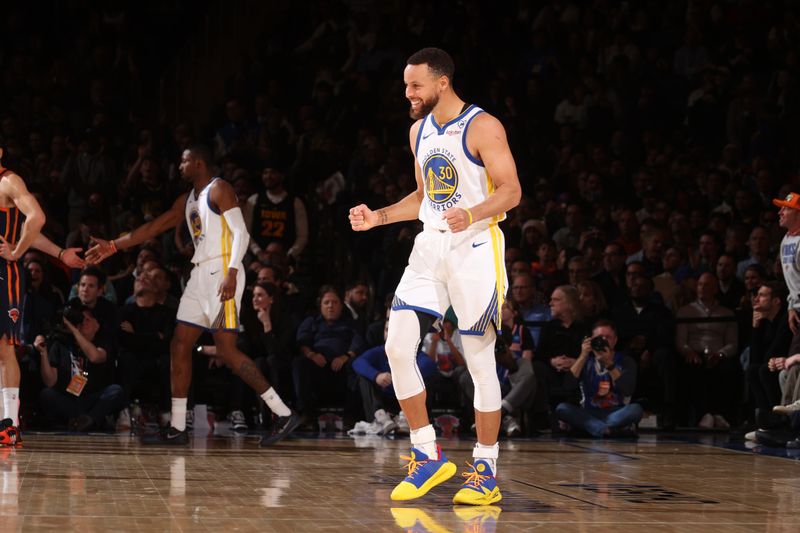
[[650, 138]]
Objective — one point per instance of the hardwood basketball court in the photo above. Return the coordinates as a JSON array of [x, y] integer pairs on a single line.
[[112, 483]]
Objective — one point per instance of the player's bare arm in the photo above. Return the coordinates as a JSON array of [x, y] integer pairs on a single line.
[[13, 188], [223, 197], [363, 218], [69, 256], [104, 249], [486, 138]]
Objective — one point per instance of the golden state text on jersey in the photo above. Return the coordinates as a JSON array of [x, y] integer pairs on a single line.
[[441, 179], [452, 176]]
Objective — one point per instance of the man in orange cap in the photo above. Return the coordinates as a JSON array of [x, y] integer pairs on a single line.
[[789, 218]]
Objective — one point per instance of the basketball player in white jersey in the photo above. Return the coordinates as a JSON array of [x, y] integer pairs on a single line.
[[212, 298], [466, 181]]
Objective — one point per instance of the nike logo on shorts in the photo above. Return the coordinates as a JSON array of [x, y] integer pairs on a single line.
[[476, 244], [215, 272]]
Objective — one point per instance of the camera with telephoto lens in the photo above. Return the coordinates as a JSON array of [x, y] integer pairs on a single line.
[[599, 344]]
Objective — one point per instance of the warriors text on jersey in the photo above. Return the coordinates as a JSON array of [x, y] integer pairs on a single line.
[[452, 176]]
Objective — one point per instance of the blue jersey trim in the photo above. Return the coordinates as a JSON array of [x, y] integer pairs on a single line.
[[191, 324], [442, 129], [464, 141], [208, 200], [418, 308], [419, 137], [209, 330]]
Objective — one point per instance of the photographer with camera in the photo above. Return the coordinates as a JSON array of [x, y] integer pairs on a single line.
[[74, 371], [607, 380]]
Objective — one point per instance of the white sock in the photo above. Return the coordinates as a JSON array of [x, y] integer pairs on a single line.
[[424, 439], [488, 454], [11, 403], [275, 403], [2, 407], [179, 414]]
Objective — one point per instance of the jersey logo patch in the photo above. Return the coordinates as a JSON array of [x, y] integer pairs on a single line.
[[196, 226], [441, 178], [13, 314]]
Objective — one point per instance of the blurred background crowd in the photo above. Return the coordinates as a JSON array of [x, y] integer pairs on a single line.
[[650, 138]]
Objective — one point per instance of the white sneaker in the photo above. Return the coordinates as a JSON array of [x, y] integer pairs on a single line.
[[385, 422], [361, 428], [707, 422], [124, 420], [402, 424], [511, 426], [189, 419], [649, 422], [720, 422], [787, 409], [750, 436], [237, 420]]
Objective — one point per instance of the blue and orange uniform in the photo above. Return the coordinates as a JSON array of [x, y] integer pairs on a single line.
[[12, 281]]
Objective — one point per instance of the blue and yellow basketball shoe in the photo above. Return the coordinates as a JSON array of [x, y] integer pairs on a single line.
[[480, 487], [423, 474]]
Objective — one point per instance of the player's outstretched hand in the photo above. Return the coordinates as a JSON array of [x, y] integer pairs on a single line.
[[71, 258], [363, 218], [101, 250]]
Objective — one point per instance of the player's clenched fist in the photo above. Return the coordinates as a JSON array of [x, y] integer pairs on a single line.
[[362, 218]]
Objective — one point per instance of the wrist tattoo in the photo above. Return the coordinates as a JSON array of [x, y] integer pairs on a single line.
[[383, 218]]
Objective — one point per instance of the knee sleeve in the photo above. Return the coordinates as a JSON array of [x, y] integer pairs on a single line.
[[479, 355], [406, 329]]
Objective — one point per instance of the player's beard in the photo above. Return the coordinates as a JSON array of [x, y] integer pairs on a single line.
[[426, 107]]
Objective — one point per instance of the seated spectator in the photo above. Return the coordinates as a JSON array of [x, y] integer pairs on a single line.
[[731, 288], [78, 390], [145, 331], [769, 341], [652, 253], [557, 350], [758, 247], [709, 351], [327, 342], [612, 277], [592, 300], [356, 300], [91, 288], [545, 266], [268, 338], [375, 384], [646, 332], [523, 291], [607, 380]]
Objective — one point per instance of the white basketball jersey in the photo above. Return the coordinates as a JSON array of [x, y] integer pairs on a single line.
[[452, 176], [211, 235]]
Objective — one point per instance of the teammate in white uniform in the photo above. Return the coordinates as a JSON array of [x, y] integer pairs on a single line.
[[466, 181], [212, 298]]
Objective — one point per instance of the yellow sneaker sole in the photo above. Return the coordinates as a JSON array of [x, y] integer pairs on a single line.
[[407, 491], [470, 497]]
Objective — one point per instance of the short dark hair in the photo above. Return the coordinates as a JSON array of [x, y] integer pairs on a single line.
[[96, 273], [604, 323], [439, 61], [201, 152], [777, 289]]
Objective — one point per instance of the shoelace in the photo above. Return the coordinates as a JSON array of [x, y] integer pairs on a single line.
[[474, 478], [412, 464]]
